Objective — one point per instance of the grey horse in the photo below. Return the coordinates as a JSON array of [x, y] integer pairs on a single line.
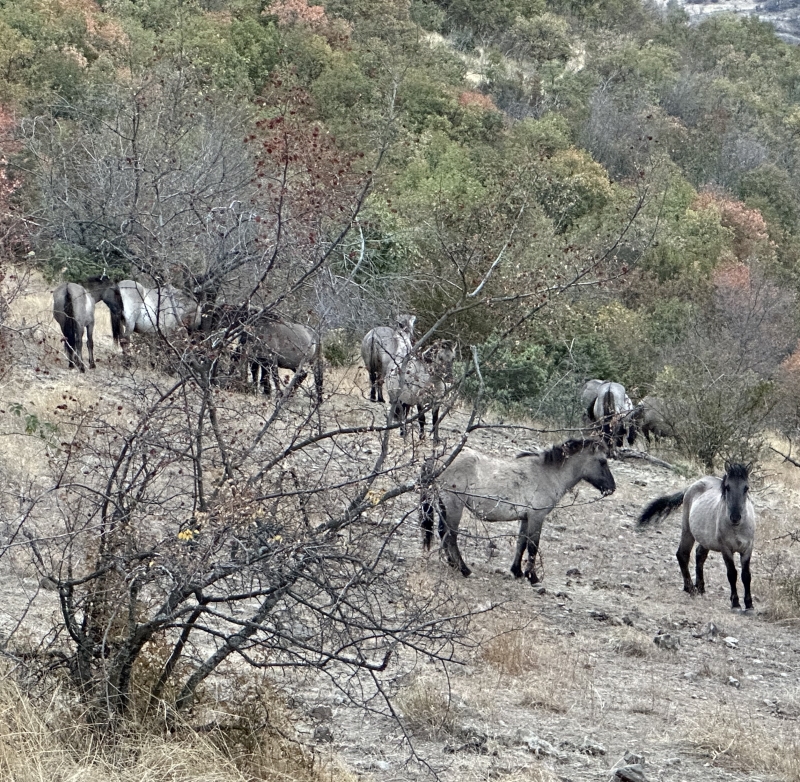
[[73, 309], [652, 418], [274, 344], [719, 516], [609, 410], [384, 348], [135, 308], [525, 489], [421, 381]]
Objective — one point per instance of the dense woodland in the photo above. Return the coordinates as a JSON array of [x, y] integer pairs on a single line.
[[566, 189]]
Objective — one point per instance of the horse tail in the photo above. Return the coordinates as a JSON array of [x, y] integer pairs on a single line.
[[661, 508], [427, 498], [318, 379], [117, 309], [70, 329]]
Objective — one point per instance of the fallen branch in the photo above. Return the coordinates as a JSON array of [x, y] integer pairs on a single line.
[[629, 453]]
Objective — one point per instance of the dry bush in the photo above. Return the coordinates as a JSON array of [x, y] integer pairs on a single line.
[[535, 774], [738, 741], [428, 709]]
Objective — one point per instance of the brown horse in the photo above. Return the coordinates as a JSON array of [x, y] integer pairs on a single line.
[[73, 309]]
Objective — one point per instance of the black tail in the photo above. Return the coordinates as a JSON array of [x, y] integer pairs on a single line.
[[318, 375], [71, 332], [661, 507], [426, 509], [117, 310]]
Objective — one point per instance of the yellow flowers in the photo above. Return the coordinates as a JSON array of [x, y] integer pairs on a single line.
[[187, 535], [373, 497]]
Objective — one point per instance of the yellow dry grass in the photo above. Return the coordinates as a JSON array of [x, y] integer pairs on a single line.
[[740, 741], [44, 742], [549, 669]]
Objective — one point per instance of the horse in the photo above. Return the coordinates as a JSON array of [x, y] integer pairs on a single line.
[[282, 344], [525, 489], [421, 381], [268, 343], [135, 308], [719, 516], [384, 348], [650, 417], [609, 410], [73, 309]]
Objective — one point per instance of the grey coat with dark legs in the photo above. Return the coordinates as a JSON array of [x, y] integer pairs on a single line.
[[524, 489], [383, 349], [73, 310], [719, 516]]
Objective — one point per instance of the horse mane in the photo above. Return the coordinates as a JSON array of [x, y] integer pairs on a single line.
[[737, 471], [558, 454]]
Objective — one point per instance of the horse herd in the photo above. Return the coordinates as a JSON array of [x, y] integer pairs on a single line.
[[717, 513]]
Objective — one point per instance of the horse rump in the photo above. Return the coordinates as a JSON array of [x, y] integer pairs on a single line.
[[661, 507]]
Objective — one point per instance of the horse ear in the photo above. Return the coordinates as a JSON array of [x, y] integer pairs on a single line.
[[748, 468], [727, 465]]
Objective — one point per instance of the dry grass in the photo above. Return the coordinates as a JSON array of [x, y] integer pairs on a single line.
[[46, 743], [428, 709], [549, 668], [630, 642], [739, 741]]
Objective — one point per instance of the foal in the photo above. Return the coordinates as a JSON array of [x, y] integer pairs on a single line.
[[718, 514]]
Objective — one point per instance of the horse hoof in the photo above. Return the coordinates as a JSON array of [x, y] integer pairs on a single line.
[[533, 578], [516, 572], [465, 571]]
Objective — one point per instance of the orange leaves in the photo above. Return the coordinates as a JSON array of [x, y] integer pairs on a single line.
[[291, 12], [748, 225], [478, 99]]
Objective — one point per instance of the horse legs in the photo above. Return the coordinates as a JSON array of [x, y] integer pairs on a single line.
[[700, 554], [276, 378], [522, 542], [90, 345], [421, 419], [682, 554], [748, 600], [435, 416], [449, 519], [731, 567]]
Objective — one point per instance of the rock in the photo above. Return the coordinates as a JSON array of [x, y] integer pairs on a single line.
[[631, 773], [323, 734], [600, 616], [709, 631], [637, 482], [541, 591], [690, 676], [731, 642], [667, 641], [734, 682], [574, 572], [590, 748], [322, 713], [47, 583], [633, 759], [541, 748]]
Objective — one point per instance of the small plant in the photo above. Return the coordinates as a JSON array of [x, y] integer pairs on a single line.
[[428, 710]]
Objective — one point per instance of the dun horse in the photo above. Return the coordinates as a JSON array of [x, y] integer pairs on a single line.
[[421, 381], [524, 490], [73, 309], [135, 308], [608, 408], [267, 343], [384, 348], [281, 344], [718, 514]]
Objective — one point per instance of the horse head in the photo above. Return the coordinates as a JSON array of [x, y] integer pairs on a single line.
[[595, 469], [735, 487]]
